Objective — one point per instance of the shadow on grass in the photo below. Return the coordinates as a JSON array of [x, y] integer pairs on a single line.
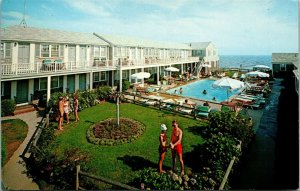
[[136, 162], [198, 130], [194, 158]]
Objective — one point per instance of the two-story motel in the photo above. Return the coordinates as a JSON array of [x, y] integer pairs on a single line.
[[34, 59]]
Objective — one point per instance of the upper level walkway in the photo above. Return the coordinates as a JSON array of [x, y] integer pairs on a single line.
[[14, 71]]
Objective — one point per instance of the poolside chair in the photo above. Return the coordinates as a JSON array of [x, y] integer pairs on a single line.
[[235, 75], [225, 108], [203, 111]]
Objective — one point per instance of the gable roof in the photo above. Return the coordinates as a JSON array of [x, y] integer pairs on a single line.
[[285, 57], [199, 45], [30, 34], [139, 42]]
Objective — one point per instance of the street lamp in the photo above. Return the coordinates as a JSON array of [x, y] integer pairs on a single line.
[[119, 93]]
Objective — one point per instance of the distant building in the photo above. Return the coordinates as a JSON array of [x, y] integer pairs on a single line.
[[285, 63], [208, 56]]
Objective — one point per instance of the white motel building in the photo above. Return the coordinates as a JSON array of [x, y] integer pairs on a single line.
[[35, 59]]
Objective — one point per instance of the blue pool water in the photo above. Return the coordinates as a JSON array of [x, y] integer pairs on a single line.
[[195, 89]]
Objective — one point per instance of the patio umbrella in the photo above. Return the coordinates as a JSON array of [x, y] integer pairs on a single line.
[[171, 69], [257, 73], [228, 83], [262, 66], [140, 76]]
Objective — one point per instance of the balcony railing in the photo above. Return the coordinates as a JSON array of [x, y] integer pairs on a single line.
[[50, 67]]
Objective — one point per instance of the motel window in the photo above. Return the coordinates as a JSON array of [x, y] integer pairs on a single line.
[[103, 76], [45, 50], [96, 51], [282, 67], [54, 50], [37, 50], [96, 76], [2, 50], [61, 50], [7, 50], [54, 82], [103, 52], [43, 84], [99, 76], [124, 74], [2, 87]]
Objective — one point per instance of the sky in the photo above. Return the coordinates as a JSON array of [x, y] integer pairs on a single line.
[[236, 27]]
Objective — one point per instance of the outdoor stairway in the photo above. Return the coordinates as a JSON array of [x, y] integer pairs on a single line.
[[24, 109]]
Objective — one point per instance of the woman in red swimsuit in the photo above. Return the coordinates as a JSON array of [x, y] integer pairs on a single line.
[[162, 147], [176, 145]]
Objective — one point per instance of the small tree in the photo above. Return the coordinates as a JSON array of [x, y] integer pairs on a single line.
[[8, 106]]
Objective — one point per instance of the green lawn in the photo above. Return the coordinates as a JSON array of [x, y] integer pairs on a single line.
[[14, 132], [120, 162]]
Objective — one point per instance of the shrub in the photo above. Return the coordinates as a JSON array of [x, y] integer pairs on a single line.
[[107, 133], [229, 124], [103, 92], [150, 179], [3, 151], [125, 85], [8, 106]]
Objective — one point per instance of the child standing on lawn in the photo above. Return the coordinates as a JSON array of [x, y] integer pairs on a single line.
[[162, 147]]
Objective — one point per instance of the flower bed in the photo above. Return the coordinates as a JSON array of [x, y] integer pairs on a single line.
[[107, 133]]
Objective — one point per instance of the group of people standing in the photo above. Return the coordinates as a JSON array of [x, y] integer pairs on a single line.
[[64, 109], [175, 145]]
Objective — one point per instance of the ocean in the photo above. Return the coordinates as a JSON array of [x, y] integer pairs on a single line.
[[247, 61]]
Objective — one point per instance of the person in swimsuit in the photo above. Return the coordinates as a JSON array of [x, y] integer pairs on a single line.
[[67, 108], [60, 112], [162, 147], [75, 104], [176, 145]]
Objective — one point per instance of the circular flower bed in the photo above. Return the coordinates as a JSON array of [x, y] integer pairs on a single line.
[[107, 133]]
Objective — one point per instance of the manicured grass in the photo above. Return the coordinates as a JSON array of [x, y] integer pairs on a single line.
[[120, 162], [14, 132]]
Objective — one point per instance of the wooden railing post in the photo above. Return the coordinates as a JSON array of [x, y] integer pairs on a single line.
[[77, 176], [47, 120]]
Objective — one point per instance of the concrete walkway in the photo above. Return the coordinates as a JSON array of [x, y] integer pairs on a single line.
[[14, 172]]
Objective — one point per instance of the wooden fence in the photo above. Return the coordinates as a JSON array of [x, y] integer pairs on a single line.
[[35, 137]]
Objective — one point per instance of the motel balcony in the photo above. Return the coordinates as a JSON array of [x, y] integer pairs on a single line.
[[47, 67]]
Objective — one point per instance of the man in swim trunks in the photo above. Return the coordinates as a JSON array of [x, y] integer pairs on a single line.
[[176, 146], [162, 147], [61, 112]]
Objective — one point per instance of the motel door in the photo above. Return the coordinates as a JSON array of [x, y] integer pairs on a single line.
[[23, 53], [22, 91], [82, 56], [72, 55]]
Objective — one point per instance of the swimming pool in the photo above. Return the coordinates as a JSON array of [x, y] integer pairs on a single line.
[[195, 90]]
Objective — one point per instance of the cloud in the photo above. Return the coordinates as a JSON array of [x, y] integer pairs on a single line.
[[165, 4], [91, 7], [13, 15]]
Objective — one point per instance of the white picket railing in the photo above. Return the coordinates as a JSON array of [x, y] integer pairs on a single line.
[[39, 67]]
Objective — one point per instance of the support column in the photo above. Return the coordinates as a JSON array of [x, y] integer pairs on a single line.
[[65, 83], [87, 78], [30, 89], [129, 77], [48, 88], [13, 90], [76, 82], [158, 75], [113, 78], [181, 68], [91, 80]]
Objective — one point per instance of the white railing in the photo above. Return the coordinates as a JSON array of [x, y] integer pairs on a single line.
[[39, 67]]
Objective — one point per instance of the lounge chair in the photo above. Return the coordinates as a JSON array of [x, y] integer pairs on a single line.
[[225, 108], [203, 111]]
